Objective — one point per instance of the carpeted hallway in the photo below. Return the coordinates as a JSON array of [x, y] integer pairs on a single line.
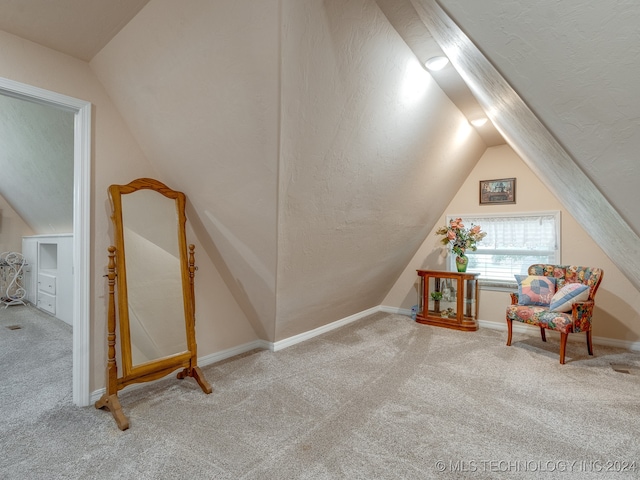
[[382, 398]]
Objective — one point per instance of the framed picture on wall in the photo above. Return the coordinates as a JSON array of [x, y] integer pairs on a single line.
[[499, 191]]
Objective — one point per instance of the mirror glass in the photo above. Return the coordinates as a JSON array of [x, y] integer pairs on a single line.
[[154, 282]]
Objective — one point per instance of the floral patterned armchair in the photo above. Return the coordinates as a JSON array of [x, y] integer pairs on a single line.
[[553, 297]]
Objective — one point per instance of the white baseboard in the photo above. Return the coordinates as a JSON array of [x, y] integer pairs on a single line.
[[517, 328], [232, 352], [202, 362], [287, 342], [533, 330], [395, 310], [266, 345]]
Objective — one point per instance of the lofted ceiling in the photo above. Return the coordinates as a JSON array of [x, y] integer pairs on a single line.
[[79, 28], [404, 18], [36, 161], [581, 85]]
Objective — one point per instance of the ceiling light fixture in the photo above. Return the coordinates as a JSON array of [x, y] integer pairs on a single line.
[[478, 122], [436, 63]]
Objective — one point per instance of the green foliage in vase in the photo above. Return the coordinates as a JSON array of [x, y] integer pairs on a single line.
[[461, 238]]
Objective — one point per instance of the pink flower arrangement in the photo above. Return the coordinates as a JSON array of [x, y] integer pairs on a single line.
[[460, 238]]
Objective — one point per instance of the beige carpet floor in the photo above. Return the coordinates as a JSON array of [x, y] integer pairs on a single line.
[[382, 398]]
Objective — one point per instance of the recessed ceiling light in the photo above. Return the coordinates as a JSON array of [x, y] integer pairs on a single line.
[[478, 122], [436, 63]]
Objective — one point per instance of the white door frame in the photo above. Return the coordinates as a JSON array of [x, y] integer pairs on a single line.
[[81, 222]]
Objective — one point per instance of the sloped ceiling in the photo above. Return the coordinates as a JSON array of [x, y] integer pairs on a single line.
[[406, 21], [282, 122], [579, 184], [314, 148], [566, 99], [77, 27], [36, 164], [371, 150], [576, 65], [200, 96]]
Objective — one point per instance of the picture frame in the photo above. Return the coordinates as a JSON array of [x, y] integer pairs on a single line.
[[498, 191]]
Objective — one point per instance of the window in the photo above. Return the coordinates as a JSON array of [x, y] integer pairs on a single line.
[[513, 242]]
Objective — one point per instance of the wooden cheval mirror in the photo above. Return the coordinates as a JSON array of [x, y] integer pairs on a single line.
[[155, 291]]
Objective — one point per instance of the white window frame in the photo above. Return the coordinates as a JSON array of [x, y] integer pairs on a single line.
[[477, 219]]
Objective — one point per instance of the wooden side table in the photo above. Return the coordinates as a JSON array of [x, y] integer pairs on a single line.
[[449, 299]]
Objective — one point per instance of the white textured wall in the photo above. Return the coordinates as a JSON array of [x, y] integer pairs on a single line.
[[197, 83], [372, 151], [36, 163], [117, 158], [305, 135], [12, 228]]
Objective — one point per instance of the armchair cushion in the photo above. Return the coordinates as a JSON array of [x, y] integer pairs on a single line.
[[535, 289], [541, 317], [579, 312], [568, 295]]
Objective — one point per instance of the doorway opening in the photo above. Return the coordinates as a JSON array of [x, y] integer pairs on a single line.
[[81, 222]]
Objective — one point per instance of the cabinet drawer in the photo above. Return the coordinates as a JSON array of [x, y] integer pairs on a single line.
[[47, 283], [47, 302]]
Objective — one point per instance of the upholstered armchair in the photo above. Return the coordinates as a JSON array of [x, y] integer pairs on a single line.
[[556, 297]]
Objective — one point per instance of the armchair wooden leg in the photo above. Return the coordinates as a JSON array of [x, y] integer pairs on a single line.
[[563, 346], [543, 335], [510, 330], [589, 344]]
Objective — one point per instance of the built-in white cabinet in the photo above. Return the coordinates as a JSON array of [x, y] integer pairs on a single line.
[[49, 273]]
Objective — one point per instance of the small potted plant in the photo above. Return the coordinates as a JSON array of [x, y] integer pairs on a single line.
[[436, 297]]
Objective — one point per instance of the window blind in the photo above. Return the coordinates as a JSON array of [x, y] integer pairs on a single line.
[[513, 242]]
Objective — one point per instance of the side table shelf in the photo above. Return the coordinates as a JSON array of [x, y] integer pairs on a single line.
[[448, 299]]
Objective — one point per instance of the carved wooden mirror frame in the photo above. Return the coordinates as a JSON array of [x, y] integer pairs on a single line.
[[166, 363]]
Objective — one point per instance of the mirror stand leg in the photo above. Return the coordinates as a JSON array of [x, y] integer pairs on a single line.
[[198, 376], [110, 400], [111, 403]]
